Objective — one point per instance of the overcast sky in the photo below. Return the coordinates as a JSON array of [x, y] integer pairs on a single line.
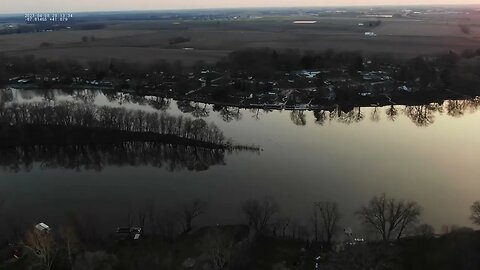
[[21, 6]]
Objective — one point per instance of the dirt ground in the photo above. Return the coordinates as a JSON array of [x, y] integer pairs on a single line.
[[145, 41]]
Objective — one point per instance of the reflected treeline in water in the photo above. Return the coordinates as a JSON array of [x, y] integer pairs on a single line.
[[96, 157], [158, 103], [12, 95], [84, 136], [420, 115]]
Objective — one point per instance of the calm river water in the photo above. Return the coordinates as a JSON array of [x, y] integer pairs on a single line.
[[429, 154]]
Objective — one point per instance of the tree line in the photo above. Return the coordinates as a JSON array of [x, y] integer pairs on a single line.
[[450, 70], [69, 246], [77, 114]]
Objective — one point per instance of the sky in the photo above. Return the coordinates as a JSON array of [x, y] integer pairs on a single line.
[[21, 6]]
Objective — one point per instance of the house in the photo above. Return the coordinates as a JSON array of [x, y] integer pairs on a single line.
[[404, 88], [308, 74], [132, 233], [42, 227]]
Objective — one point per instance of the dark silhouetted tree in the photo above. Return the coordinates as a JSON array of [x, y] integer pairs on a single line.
[[190, 211], [475, 217], [43, 245], [260, 214], [425, 230], [389, 216], [328, 216]]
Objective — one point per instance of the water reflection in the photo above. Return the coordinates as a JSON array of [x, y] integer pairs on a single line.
[[100, 136], [228, 113], [335, 154], [422, 115], [158, 103], [196, 109], [97, 157]]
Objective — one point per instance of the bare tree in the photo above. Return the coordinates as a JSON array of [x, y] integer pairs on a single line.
[[315, 220], [329, 216], [389, 216], [145, 214], [294, 229], [70, 237], [191, 211], [283, 224], [475, 217], [260, 214], [303, 233], [44, 246]]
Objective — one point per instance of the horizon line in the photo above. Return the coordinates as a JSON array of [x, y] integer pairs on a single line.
[[245, 8]]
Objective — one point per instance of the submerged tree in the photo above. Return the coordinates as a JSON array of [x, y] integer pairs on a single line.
[[389, 216], [475, 217]]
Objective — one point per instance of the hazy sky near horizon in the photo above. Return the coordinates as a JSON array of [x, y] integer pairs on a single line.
[[21, 6]]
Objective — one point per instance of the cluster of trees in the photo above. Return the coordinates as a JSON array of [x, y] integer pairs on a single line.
[[86, 39], [465, 29], [445, 71], [77, 114], [454, 71], [172, 233], [475, 208], [178, 40], [265, 63], [66, 71], [373, 23], [390, 218]]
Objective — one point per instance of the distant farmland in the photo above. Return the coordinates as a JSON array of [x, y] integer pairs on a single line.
[[144, 41]]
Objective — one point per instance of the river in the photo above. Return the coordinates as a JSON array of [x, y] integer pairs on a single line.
[[428, 154]]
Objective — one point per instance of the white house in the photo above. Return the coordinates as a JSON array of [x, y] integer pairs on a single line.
[[42, 227]]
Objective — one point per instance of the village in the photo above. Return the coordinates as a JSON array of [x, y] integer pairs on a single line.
[[297, 90]]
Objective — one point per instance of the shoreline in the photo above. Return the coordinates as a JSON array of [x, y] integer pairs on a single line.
[[406, 99]]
